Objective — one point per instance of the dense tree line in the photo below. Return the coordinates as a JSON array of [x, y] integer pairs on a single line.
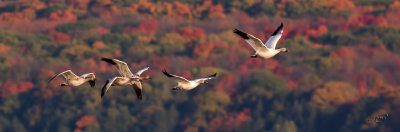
[[340, 73]]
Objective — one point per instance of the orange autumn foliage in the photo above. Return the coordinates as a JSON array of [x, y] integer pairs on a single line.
[[62, 16], [340, 5], [228, 123], [270, 64], [191, 33], [149, 26], [226, 84], [250, 63], [13, 16], [344, 52], [144, 39], [322, 29], [376, 83], [104, 2], [85, 121], [203, 49], [182, 9], [99, 30], [82, 4], [4, 49], [58, 37], [90, 65], [216, 11], [10, 88], [334, 94], [98, 44], [160, 62]]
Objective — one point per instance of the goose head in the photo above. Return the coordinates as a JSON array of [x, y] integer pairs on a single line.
[[283, 50], [92, 82], [203, 81], [146, 78]]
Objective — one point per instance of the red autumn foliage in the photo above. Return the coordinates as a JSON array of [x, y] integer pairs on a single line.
[[344, 52], [226, 84], [62, 16], [15, 60], [250, 63], [182, 9], [221, 44], [117, 53], [362, 86], [81, 4], [58, 37], [228, 123], [316, 46], [98, 44], [371, 82], [160, 62], [147, 26], [341, 5], [144, 39], [103, 67], [90, 65], [13, 17], [216, 11], [85, 121], [291, 84], [322, 29], [203, 49], [283, 70], [104, 2], [270, 64], [99, 30], [4, 49], [368, 19], [192, 33], [10, 88]]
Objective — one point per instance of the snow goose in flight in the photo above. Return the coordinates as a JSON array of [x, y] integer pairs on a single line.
[[73, 80], [184, 84], [266, 50], [127, 78]]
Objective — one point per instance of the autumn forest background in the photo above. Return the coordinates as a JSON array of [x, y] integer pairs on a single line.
[[341, 71]]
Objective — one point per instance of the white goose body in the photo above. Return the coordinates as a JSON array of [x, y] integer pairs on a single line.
[[266, 50], [184, 84], [127, 77], [76, 82], [268, 54], [73, 80]]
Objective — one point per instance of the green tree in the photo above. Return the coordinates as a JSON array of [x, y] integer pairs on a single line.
[[172, 43]]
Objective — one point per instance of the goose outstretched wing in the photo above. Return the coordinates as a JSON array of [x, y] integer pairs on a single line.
[[122, 67], [273, 40], [254, 42], [66, 74], [178, 79]]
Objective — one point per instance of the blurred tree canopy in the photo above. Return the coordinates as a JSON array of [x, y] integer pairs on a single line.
[[341, 70]]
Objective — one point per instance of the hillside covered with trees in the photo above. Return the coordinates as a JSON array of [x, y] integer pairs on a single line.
[[340, 74]]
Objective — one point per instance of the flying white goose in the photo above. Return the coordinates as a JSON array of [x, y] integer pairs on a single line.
[[184, 84], [127, 78], [73, 80], [266, 50]]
